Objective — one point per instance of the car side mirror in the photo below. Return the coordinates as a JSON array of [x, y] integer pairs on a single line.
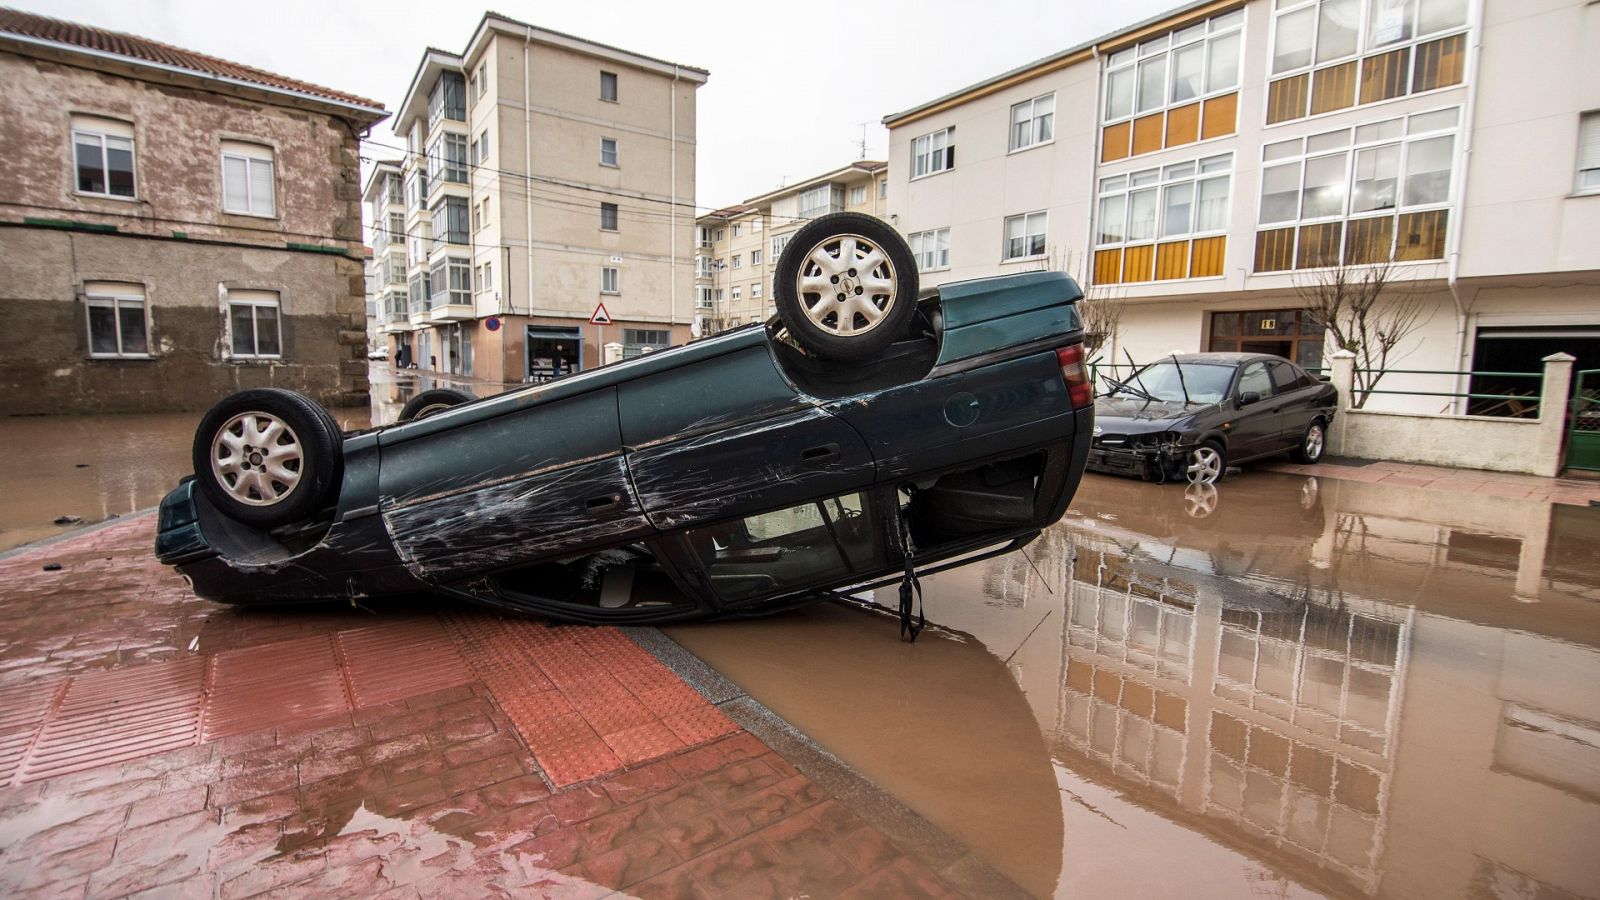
[[1248, 397]]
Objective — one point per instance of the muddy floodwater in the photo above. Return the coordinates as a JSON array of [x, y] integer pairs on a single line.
[[1285, 686]]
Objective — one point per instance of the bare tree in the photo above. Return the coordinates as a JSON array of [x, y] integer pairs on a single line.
[[1100, 309], [1366, 312]]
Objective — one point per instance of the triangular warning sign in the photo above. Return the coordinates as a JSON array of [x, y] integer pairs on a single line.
[[600, 317]]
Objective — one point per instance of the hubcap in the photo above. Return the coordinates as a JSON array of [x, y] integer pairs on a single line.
[[1205, 466], [846, 285], [257, 458], [1314, 441]]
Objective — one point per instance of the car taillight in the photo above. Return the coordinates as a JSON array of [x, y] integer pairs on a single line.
[[1075, 375]]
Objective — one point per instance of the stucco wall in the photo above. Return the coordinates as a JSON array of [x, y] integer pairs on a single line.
[[1469, 442]]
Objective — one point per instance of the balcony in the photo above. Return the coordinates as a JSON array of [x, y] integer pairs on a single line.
[[452, 306]]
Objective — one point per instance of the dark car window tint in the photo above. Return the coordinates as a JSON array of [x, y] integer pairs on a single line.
[[789, 548], [1285, 378], [1255, 378]]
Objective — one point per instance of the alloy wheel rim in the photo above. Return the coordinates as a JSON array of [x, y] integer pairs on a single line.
[[1205, 465], [846, 285], [257, 458], [1314, 442]]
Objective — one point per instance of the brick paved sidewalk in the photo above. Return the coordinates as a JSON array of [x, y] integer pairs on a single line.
[[1574, 491], [150, 741]]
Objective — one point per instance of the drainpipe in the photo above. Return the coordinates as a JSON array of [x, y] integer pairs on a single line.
[[1094, 179], [672, 218], [527, 169], [1474, 51]]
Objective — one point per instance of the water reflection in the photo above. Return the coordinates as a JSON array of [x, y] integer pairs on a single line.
[[1375, 691]]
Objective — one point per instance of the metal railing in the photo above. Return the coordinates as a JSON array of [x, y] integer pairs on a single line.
[[1524, 405]]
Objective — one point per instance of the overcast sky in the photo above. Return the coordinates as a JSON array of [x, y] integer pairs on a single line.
[[791, 83]]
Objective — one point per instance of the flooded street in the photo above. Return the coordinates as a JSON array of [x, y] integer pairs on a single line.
[[1289, 686]]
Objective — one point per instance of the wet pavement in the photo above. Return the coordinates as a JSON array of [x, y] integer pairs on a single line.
[[1289, 685]]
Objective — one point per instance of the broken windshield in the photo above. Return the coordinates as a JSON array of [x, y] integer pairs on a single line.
[[1206, 382]]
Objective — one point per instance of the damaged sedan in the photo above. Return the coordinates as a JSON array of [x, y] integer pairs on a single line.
[[866, 433], [1189, 416]]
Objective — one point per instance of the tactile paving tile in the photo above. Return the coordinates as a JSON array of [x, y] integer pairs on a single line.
[[390, 662], [116, 716], [22, 712], [273, 684]]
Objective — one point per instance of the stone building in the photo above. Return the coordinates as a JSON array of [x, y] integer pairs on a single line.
[[173, 226]]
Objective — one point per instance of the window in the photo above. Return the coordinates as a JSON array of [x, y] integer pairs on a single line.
[[1589, 152], [933, 153], [858, 195], [821, 200], [396, 190], [755, 257], [883, 189], [608, 151], [447, 157], [787, 549], [1174, 69], [608, 217], [1024, 236], [737, 292], [253, 324], [608, 86], [1333, 54], [247, 179], [721, 233], [1377, 192], [737, 228], [755, 225], [116, 314], [1166, 203], [702, 297], [448, 99], [450, 282], [778, 243], [755, 291], [738, 260], [931, 249], [608, 280], [483, 78], [488, 276], [450, 220], [477, 217], [638, 339], [102, 155], [397, 228], [1033, 122], [397, 267]]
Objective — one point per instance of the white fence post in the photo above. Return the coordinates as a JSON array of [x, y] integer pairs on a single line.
[[1553, 412], [1342, 375]]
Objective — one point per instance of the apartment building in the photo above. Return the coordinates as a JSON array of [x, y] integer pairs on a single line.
[[1198, 168], [175, 226], [738, 246], [385, 213], [543, 176]]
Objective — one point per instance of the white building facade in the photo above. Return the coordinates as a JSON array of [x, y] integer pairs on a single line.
[[1199, 168]]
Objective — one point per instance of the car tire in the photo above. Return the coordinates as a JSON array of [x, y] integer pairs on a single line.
[[432, 402], [1205, 463], [268, 457], [846, 286], [1312, 443]]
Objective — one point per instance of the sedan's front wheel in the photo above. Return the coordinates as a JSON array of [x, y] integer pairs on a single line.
[[1205, 464]]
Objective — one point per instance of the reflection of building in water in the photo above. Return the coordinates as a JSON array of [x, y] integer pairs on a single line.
[[1281, 722]]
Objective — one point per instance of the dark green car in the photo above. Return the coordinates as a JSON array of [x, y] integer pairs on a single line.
[[746, 472]]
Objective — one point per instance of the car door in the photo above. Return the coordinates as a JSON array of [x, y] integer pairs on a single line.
[[728, 436], [1295, 395], [1255, 426], [490, 486]]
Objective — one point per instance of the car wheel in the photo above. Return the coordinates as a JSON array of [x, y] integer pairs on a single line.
[[1312, 443], [846, 286], [1205, 464], [434, 400], [268, 456]]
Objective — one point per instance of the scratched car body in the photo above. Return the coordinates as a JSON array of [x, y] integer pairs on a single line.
[[733, 475]]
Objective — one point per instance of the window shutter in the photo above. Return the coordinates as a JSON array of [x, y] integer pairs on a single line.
[[261, 198], [1589, 141]]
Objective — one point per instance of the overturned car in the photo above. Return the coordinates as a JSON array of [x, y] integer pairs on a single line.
[[864, 432]]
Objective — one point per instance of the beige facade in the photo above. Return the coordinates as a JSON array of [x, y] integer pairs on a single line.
[[544, 175], [1198, 168], [737, 247], [173, 231]]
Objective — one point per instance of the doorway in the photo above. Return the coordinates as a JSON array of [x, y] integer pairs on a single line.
[[553, 352], [1289, 333]]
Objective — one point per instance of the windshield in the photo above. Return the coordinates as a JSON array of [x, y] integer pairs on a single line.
[[1207, 382]]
